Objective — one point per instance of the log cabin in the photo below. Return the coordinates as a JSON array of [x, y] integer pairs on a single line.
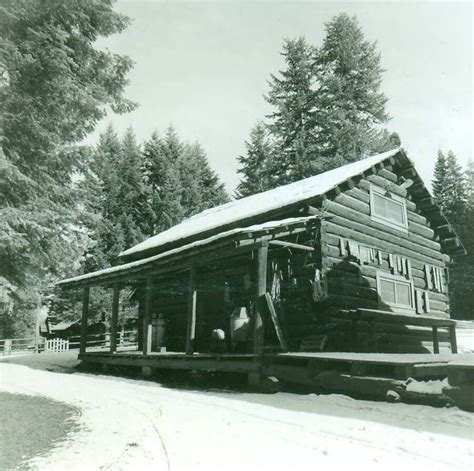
[[351, 260]]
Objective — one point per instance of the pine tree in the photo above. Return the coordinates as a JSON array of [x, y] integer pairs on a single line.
[[462, 273], [52, 96], [328, 106], [154, 171], [171, 210], [439, 180], [291, 124], [349, 104], [201, 186], [449, 187], [453, 191], [254, 165]]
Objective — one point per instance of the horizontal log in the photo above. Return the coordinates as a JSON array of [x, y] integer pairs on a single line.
[[445, 230], [372, 227], [291, 245], [409, 173], [416, 223], [353, 290], [384, 241], [391, 187], [364, 196], [350, 302], [388, 175]]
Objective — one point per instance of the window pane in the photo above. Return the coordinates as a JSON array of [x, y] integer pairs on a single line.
[[395, 212], [403, 294], [380, 205], [387, 291]]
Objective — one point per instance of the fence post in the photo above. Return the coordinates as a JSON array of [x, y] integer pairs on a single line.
[[85, 314], [7, 347]]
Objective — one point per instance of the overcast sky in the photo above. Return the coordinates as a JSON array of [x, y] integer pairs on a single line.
[[204, 67]]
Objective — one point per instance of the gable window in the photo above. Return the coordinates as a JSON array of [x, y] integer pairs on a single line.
[[395, 291], [387, 208]]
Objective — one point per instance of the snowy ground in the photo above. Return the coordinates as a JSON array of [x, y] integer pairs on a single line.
[[134, 424]]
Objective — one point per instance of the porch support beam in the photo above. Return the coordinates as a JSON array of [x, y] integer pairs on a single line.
[[192, 305], [291, 245], [147, 317], [453, 340], [114, 319], [85, 315], [261, 289]]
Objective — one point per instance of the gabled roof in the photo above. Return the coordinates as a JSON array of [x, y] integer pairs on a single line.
[[251, 206]]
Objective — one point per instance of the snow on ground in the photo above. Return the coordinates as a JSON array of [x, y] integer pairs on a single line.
[[134, 424], [465, 336]]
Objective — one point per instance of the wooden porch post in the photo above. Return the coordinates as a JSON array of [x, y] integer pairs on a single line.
[[452, 337], [147, 317], [114, 320], [254, 377], [258, 338], [85, 314], [435, 340], [192, 304]]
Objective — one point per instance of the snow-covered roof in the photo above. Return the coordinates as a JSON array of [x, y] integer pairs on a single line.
[[257, 204], [63, 325], [256, 228]]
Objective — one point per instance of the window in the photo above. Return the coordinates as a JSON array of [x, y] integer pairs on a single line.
[[387, 208], [395, 291]]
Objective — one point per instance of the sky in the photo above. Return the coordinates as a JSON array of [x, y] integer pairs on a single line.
[[204, 68]]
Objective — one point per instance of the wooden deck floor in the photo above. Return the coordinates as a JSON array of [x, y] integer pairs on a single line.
[[297, 365]]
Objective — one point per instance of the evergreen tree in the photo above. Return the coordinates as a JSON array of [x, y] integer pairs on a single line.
[[54, 87], [328, 107], [171, 211], [453, 191], [180, 180], [292, 122], [201, 186], [154, 171], [449, 187], [462, 272], [116, 190], [253, 166], [349, 104]]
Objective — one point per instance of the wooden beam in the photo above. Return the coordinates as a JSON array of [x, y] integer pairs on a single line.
[[276, 323], [114, 319], [453, 340], [444, 230], [409, 173], [427, 203], [85, 315], [147, 315], [435, 340], [291, 245], [452, 242], [261, 275], [192, 304]]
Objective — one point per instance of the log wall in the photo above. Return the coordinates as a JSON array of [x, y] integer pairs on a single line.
[[351, 281]]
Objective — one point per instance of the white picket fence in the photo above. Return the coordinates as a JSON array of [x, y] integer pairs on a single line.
[[56, 346], [125, 339]]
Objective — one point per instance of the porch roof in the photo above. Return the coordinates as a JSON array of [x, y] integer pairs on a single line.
[[194, 253]]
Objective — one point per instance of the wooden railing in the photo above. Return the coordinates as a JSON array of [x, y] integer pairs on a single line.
[[127, 339]]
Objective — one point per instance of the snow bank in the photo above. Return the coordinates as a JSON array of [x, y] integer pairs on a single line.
[[130, 424], [426, 387]]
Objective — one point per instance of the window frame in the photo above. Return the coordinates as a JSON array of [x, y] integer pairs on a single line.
[[376, 190], [396, 279]]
